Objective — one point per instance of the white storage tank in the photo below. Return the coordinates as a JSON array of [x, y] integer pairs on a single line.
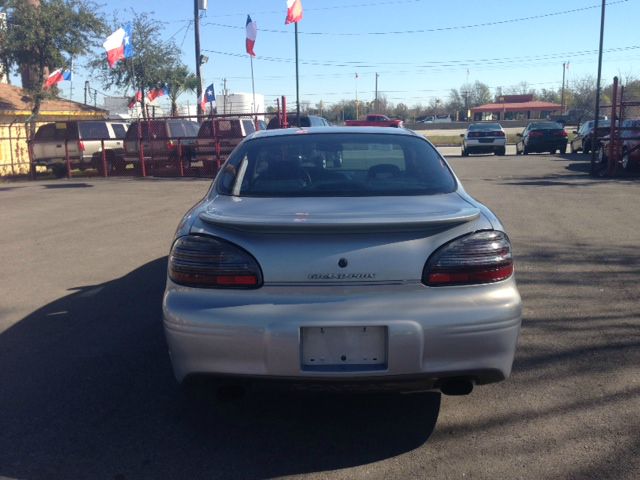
[[240, 103]]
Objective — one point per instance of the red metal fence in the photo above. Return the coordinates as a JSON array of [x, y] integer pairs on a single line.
[[160, 146]]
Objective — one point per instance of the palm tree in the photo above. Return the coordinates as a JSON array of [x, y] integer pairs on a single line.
[[178, 81]]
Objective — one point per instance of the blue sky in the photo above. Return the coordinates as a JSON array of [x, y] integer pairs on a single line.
[[420, 48]]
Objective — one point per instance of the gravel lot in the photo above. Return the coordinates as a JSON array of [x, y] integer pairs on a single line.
[[86, 389]]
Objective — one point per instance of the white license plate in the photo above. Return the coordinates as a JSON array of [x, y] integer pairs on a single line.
[[343, 346]]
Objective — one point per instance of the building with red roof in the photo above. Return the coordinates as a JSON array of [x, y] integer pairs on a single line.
[[516, 107]]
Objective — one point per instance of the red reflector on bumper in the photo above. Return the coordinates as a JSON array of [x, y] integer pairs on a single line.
[[237, 280], [470, 277]]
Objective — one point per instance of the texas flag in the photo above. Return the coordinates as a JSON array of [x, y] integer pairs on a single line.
[[118, 45], [208, 96], [294, 11], [157, 92], [137, 98], [252, 33], [56, 77]]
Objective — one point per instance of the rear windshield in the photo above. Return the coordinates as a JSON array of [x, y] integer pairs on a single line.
[[93, 130], [324, 165], [182, 128], [546, 126], [485, 126], [153, 129], [58, 131], [227, 128]]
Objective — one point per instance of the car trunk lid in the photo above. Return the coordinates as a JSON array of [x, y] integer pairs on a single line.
[[340, 241]]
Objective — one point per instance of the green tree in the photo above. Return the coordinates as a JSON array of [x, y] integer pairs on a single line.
[[44, 35], [550, 95], [147, 68], [583, 94]]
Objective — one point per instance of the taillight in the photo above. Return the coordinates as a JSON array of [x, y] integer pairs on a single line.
[[171, 145], [561, 133], [481, 257], [207, 262], [498, 134], [81, 146]]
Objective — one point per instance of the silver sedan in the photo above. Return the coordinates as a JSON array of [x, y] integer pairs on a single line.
[[346, 258]]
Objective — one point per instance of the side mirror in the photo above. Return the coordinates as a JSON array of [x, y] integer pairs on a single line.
[[518, 134], [462, 135], [575, 132]]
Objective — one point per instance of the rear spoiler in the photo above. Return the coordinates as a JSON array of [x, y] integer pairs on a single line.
[[344, 224]]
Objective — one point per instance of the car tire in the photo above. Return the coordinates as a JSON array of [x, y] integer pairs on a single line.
[[109, 164], [59, 170], [571, 149], [586, 148], [501, 151], [627, 165], [599, 165], [465, 153], [525, 151]]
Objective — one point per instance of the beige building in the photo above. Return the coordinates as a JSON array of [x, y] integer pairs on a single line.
[[15, 112]]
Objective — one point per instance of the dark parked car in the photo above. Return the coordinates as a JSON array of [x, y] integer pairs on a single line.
[[542, 137], [163, 141], [626, 146], [583, 141]]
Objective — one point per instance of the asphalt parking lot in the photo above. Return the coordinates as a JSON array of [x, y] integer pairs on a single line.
[[86, 389]]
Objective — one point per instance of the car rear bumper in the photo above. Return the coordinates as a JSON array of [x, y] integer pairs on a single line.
[[483, 147], [431, 333], [546, 145]]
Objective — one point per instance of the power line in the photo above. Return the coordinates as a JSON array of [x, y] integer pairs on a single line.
[[335, 7], [426, 30], [475, 63], [185, 34]]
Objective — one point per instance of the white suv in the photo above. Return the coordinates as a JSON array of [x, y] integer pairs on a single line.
[[81, 141]]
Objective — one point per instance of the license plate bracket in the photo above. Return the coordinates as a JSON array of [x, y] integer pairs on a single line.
[[343, 348]]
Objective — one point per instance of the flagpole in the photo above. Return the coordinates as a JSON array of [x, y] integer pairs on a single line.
[[297, 78], [253, 85], [71, 79]]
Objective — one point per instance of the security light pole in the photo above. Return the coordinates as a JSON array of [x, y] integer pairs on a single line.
[[196, 29], [597, 109]]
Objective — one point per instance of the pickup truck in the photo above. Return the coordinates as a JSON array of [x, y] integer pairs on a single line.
[[374, 121]]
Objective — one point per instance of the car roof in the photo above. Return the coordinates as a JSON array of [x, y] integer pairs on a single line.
[[282, 132]]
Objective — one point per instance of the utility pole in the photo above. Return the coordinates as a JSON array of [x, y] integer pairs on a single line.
[[564, 68], [376, 102], [594, 169], [196, 29], [86, 90]]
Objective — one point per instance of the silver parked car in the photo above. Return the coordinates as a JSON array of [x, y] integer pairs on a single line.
[[484, 137], [346, 257]]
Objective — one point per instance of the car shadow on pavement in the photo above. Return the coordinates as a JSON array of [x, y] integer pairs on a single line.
[[576, 175], [87, 392], [55, 186]]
